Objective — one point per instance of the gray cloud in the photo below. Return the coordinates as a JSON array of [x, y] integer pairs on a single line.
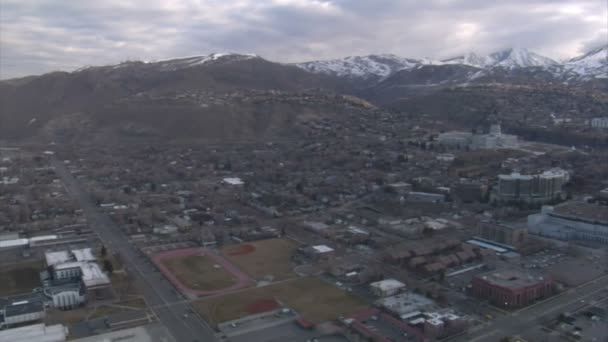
[[43, 35]]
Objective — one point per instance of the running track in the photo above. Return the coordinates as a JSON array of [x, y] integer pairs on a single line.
[[243, 280]]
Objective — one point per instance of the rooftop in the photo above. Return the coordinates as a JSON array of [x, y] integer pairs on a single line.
[[582, 211], [54, 258], [322, 249], [35, 332], [512, 279], [388, 284], [233, 181], [148, 333], [405, 303], [92, 275], [23, 308]]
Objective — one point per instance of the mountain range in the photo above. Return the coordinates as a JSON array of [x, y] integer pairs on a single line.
[[376, 67], [228, 96]]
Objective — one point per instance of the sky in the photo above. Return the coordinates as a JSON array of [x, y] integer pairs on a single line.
[[38, 36]]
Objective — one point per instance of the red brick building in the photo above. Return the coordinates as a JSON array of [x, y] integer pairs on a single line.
[[511, 288]]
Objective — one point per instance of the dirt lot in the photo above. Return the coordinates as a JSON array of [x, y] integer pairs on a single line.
[[314, 299], [199, 272], [264, 258], [20, 278]]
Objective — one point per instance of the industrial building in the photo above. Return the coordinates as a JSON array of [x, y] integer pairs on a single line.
[[21, 310], [600, 122], [36, 332], [387, 287], [539, 188], [511, 288], [572, 221]]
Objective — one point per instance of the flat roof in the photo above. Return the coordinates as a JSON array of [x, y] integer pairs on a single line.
[[92, 275], [405, 303], [13, 243], [512, 279], [582, 211], [54, 258], [487, 246], [83, 254], [35, 332], [388, 284], [233, 181], [148, 333], [322, 249], [23, 308]]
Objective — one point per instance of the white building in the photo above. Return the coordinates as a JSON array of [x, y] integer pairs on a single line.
[[35, 332], [601, 122], [78, 263], [386, 287], [571, 221], [465, 140]]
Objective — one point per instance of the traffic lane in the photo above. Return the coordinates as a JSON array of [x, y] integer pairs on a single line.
[[529, 317], [111, 234]]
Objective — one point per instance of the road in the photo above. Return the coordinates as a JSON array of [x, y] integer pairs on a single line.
[[164, 300], [520, 321]]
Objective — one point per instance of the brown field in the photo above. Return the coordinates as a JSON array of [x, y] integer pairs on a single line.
[[312, 298], [199, 272], [20, 278], [263, 258]]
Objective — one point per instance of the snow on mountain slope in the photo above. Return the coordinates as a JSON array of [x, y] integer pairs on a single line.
[[509, 58], [372, 66], [186, 62], [592, 64]]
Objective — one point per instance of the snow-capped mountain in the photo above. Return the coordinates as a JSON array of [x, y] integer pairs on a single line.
[[514, 61], [178, 63], [186, 62], [592, 64], [509, 58], [365, 67]]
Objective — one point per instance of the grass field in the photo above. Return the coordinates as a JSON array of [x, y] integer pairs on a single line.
[[199, 272], [21, 278], [314, 299], [263, 258]]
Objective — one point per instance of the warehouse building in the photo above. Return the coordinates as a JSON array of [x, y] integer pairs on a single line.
[[572, 221], [36, 332], [21, 309], [511, 288]]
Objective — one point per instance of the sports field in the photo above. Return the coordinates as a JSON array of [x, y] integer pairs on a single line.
[[22, 278], [314, 299], [198, 272], [263, 259]]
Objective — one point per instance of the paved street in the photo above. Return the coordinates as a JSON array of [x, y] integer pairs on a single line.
[[166, 303], [518, 322]]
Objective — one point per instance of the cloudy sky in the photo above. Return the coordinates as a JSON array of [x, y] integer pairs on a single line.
[[38, 36]]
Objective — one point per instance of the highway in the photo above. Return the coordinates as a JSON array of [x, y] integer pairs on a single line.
[[517, 322], [163, 299]]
